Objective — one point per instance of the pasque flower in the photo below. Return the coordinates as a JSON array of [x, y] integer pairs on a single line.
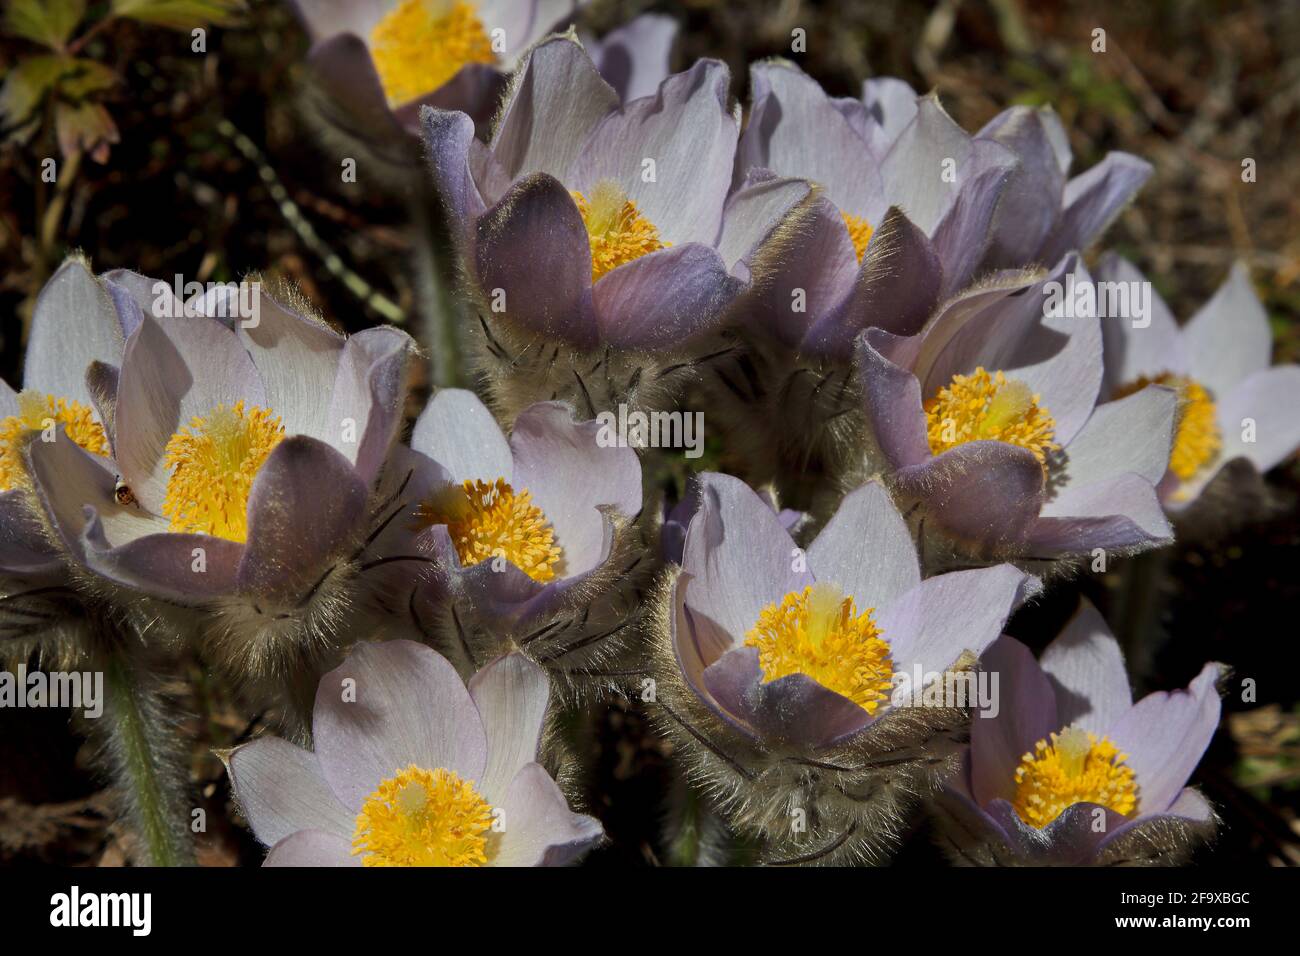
[[1231, 403], [535, 538], [245, 458], [599, 239], [411, 768], [910, 206], [1070, 770], [987, 419], [73, 352], [779, 668]]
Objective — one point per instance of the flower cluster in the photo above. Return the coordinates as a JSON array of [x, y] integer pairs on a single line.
[[923, 427]]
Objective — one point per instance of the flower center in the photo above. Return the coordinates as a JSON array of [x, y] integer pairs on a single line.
[[617, 231], [818, 632], [1075, 767], [859, 231], [491, 520], [37, 412], [1196, 433], [981, 406], [421, 817], [421, 44], [213, 463]]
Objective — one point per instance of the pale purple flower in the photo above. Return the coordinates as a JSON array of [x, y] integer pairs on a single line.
[[526, 242], [739, 560], [73, 353], [672, 536], [1233, 403], [911, 207], [1078, 477], [379, 61], [636, 57], [1134, 759], [284, 427], [398, 712], [571, 502]]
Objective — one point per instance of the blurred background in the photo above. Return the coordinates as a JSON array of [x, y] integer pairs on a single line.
[[150, 179]]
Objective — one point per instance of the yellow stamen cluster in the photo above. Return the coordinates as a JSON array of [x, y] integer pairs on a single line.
[[1075, 767], [616, 229], [422, 44], [1196, 436], [859, 231], [491, 520], [421, 817], [992, 407], [36, 412], [818, 632], [213, 463]]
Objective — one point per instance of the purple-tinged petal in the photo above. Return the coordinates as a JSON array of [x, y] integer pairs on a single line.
[[365, 410], [896, 289], [280, 791], [916, 171], [866, 549], [351, 98], [389, 706], [794, 709], [467, 176], [458, 432], [663, 298], [1229, 337], [540, 829], [173, 370], [636, 57], [1087, 673], [306, 504], [324, 18], [689, 132], [758, 212], [931, 625], [475, 90], [1026, 714], [1121, 513], [1190, 805], [1131, 434], [962, 236], [570, 476], [533, 247], [1071, 839], [1030, 205], [511, 694], [1269, 398], [738, 555], [893, 404], [555, 102], [795, 129], [312, 848], [1164, 735], [24, 550], [1092, 201], [891, 105]]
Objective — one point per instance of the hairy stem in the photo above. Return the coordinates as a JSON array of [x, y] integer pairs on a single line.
[[433, 273], [145, 764]]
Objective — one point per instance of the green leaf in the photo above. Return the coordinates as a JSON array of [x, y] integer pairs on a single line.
[[181, 14], [86, 78], [25, 89], [48, 22]]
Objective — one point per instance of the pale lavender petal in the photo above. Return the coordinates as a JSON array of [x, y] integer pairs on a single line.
[[1092, 201], [365, 410], [739, 556], [1087, 672], [1026, 714], [664, 298], [389, 706], [1148, 351], [562, 464], [74, 323], [280, 790], [1121, 513], [540, 829], [752, 217], [1164, 735], [24, 550], [915, 172], [689, 132], [891, 106], [552, 107], [350, 98], [635, 57], [1132, 434], [1269, 398], [511, 694], [451, 151], [962, 236], [312, 848], [458, 432], [324, 18], [1229, 337], [892, 399], [1030, 204], [866, 549]]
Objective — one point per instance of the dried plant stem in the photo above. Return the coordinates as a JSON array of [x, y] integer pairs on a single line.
[[144, 763]]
